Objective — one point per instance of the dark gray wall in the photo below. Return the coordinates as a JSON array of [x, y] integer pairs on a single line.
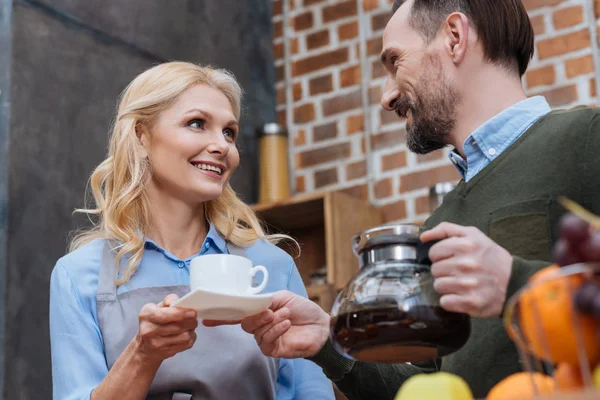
[[70, 60]]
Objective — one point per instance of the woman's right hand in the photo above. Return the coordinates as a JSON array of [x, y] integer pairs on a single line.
[[165, 331]]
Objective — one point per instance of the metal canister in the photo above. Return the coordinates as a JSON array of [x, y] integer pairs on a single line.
[[273, 163], [437, 193]]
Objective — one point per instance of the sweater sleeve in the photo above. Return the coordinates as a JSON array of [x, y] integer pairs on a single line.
[[365, 381], [590, 182]]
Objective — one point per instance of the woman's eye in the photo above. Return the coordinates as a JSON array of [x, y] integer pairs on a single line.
[[197, 123], [229, 133]]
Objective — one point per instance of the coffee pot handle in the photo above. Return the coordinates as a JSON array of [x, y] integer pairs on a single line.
[[263, 284]]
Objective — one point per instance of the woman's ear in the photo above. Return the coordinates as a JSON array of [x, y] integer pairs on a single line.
[[143, 139]]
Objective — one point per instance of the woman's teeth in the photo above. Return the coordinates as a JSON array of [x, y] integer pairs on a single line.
[[209, 168]]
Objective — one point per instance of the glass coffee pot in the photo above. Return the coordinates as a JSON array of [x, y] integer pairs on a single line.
[[389, 311]]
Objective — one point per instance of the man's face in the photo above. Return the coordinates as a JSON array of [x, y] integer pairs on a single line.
[[417, 87]]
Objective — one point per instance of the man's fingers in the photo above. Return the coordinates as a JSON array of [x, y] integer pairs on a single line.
[[461, 304], [271, 336], [450, 247], [454, 285], [443, 231], [278, 317], [255, 322]]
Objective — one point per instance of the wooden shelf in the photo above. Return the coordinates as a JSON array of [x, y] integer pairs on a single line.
[[323, 224]]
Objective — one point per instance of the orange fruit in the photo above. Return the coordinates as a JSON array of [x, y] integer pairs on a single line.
[[520, 386], [568, 377], [549, 321]]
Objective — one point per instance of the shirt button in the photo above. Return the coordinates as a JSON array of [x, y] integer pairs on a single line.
[[206, 245], [181, 264], [492, 151]]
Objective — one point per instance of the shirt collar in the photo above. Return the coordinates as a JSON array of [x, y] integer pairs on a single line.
[[213, 238], [499, 132]]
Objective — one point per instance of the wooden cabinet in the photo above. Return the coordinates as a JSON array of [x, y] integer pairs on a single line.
[[323, 224]]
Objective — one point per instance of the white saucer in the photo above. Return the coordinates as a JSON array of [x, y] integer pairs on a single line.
[[222, 306]]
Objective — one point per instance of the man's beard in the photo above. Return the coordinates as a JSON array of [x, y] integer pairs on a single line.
[[433, 111]]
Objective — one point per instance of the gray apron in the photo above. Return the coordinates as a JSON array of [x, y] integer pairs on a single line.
[[224, 363]]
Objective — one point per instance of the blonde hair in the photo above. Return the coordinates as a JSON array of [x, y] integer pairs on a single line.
[[118, 183]]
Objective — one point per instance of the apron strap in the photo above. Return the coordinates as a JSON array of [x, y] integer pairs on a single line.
[[107, 288]]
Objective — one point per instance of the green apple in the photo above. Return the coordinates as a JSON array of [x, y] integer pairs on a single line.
[[437, 386]]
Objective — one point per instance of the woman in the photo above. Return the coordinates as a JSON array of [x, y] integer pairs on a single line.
[[162, 197]]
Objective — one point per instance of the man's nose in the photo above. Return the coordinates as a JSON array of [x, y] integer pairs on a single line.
[[389, 96]]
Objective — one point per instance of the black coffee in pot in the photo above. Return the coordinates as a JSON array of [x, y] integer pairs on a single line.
[[391, 335]]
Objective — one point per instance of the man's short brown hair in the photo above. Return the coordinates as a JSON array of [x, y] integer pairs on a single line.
[[503, 26]]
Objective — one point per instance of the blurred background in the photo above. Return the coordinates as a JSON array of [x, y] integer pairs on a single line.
[[310, 65]]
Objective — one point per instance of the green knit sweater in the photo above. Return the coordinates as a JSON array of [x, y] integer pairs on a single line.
[[513, 201]]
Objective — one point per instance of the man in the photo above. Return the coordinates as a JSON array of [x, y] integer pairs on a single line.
[[454, 73]]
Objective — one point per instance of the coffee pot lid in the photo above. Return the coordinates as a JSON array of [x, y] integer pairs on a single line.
[[388, 234]]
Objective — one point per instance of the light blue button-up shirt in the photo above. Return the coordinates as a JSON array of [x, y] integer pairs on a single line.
[[498, 134], [78, 360]]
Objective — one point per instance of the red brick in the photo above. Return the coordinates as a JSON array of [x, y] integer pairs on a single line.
[[326, 154], [300, 137], [280, 95], [427, 178], [355, 123], [374, 46], [369, 5], [539, 26], [564, 44], [294, 45], [568, 16], [277, 29], [388, 139], [323, 60], [359, 191], [422, 205], [297, 91], [341, 103], [303, 21], [281, 117], [348, 31], [326, 177], [278, 51], [579, 66], [307, 3], [356, 170], [533, 4], [350, 76], [379, 21], [339, 10], [394, 212], [324, 132], [388, 117], [277, 7], [540, 76], [321, 84], [279, 73], [393, 161], [304, 113], [300, 184], [375, 95], [592, 87], [377, 70], [317, 39], [561, 96], [383, 188], [433, 156]]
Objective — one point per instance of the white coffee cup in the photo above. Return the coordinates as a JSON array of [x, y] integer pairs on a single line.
[[226, 273]]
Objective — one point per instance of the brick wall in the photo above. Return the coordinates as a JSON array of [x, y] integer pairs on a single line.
[[327, 118]]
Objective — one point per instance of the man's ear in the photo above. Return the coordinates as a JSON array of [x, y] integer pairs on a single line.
[[456, 29], [143, 136]]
